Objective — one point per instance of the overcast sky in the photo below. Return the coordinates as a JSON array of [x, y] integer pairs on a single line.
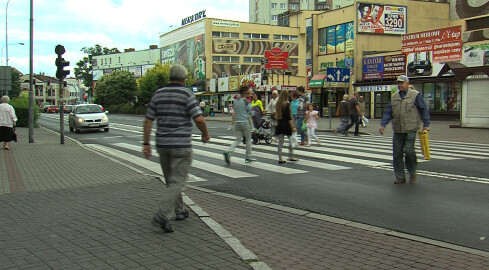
[[110, 23]]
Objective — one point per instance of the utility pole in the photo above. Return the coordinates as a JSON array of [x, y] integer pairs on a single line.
[[61, 75]]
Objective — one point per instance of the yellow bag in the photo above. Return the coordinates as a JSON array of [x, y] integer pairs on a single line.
[[424, 142]]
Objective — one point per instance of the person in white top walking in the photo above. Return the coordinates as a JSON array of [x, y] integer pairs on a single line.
[[271, 108], [7, 122], [311, 121]]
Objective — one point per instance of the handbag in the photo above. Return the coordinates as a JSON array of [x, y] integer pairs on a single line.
[[14, 135], [304, 127]]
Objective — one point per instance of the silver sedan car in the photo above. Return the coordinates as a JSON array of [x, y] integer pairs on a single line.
[[88, 116]]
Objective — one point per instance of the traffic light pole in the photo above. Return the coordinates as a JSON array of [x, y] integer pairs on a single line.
[[61, 74], [61, 113]]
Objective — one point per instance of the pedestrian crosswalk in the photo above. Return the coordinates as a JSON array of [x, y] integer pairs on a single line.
[[335, 153]]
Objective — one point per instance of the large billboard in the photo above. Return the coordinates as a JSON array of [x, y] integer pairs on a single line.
[[381, 19], [186, 53]]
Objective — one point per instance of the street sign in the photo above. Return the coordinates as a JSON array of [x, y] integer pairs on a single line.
[[338, 75]]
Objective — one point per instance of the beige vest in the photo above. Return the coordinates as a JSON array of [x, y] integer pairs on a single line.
[[405, 115]]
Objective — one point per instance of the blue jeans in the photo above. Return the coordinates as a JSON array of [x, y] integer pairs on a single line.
[[298, 126], [404, 145]]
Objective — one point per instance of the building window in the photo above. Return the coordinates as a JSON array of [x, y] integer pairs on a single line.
[[110, 61], [294, 60], [252, 59], [294, 6], [229, 59], [479, 23], [119, 60], [274, 18], [274, 5], [255, 36], [285, 37], [225, 34], [283, 5]]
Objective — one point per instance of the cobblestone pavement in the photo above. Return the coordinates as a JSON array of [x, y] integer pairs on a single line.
[[68, 207]]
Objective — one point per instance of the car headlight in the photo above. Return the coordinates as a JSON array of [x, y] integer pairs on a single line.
[[81, 120], [105, 119]]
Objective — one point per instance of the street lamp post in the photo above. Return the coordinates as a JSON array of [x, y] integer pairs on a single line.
[[6, 35], [5, 46]]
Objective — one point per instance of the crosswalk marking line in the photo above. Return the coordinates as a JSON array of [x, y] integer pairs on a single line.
[[448, 176], [255, 165], [200, 165], [349, 152], [142, 162], [262, 155], [316, 155], [447, 144], [436, 153]]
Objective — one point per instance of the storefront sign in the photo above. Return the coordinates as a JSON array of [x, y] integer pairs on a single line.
[[381, 19], [387, 67], [220, 47], [375, 88], [226, 23], [445, 44], [193, 18], [373, 68]]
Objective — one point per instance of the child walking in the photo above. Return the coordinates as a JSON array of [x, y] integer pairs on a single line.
[[311, 120]]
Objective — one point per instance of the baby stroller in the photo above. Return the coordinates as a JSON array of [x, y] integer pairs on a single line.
[[263, 132]]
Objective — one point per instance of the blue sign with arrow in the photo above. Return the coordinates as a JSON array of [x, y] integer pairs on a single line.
[[338, 75]]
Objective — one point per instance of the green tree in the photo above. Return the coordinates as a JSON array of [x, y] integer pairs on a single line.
[[119, 87], [83, 69], [157, 77], [15, 84]]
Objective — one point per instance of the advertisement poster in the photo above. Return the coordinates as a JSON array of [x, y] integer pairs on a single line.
[[394, 66], [331, 43], [381, 19], [427, 51], [223, 84], [349, 45], [186, 53], [233, 83], [277, 59], [340, 38], [476, 55], [145, 68]]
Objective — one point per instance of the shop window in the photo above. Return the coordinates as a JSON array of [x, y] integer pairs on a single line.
[[322, 34], [441, 90], [429, 95], [454, 97]]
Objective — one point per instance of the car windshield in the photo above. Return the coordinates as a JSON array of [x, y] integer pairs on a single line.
[[88, 109]]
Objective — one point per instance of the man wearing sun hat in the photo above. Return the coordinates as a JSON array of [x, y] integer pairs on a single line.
[[406, 109]]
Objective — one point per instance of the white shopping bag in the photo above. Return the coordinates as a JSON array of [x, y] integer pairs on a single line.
[[293, 140], [364, 121]]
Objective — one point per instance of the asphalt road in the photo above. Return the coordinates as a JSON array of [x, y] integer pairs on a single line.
[[449, 203]]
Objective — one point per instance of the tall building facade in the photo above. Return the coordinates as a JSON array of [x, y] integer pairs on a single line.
[[268, 11]]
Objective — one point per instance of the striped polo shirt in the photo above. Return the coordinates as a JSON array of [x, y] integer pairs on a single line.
[[173, 108]]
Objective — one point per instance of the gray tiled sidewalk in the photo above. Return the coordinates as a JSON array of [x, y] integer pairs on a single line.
[[66, 207]]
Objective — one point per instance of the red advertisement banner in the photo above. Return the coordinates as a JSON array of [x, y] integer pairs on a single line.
[[276, 59], [445, 43]]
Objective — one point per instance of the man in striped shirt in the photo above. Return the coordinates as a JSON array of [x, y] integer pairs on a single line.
[[173, 108]]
